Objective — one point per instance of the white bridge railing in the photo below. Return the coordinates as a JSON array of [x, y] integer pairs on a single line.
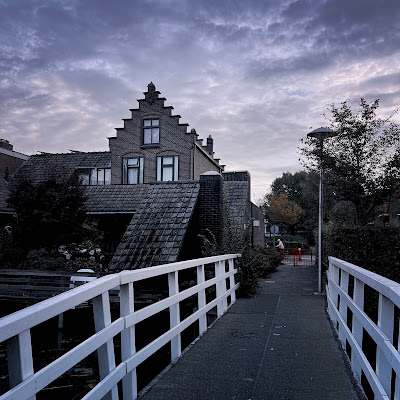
[[15, 328], [346, 306]]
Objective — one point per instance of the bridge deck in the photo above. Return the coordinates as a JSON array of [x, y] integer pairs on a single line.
[[275, 345]]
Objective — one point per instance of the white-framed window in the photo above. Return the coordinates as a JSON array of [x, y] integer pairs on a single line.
[[96, 176], [167, 168], [132, 170], [151, 131]]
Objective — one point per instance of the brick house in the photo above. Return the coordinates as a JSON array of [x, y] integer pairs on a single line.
[[10, 161], [156, 189]]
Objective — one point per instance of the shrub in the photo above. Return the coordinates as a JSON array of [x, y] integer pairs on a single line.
[[373, 248], [254, 263]]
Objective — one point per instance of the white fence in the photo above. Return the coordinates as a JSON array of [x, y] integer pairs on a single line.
[[346, 306], [15, 328]]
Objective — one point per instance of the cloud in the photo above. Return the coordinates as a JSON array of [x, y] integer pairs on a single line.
[[256, 75]]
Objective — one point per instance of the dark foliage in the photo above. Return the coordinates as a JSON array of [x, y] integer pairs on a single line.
[[49, 213], [372, 248]]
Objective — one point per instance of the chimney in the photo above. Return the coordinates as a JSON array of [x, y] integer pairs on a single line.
[[211, 205], [210, 146]]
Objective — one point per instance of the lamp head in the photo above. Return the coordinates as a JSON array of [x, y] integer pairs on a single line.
[[322, 133]]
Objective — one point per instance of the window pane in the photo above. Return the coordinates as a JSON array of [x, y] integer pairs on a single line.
[[167, 160], [100, 176], [141, 172], [155, 122], [85, 177], [176, 169], [133, 161], [167, 174], [93, 176], [147, 122], [159, 168], [107, 176], [155, 135], [132, 176], [147, 136]]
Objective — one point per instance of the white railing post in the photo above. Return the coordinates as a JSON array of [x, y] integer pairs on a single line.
[[223, 286], [174, 315], [128, 347], [201, 299], [397, 381], [357, 325], [106, 356], [218, 288], [335, 278], [20, 362], [386, 324], [232, 279], [344, 284]]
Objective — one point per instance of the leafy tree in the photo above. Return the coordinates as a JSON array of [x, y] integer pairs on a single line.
[[281, 211], [49, 213], [302, 189], [362, 163]]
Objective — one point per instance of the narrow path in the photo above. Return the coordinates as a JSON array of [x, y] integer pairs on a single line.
[[276, 345]]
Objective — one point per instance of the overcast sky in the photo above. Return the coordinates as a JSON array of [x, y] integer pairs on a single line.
[[256, 75]]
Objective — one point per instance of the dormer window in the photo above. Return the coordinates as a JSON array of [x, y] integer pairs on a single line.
[[96, 176], [151, 131]]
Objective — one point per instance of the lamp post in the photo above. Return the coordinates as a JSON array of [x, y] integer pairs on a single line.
[[320, 134]]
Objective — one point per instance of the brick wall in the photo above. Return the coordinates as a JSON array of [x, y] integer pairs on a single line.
[[174, 140], [10, 159], [202, 164], [210, 205]]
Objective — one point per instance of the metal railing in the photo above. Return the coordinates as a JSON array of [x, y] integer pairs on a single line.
[[301, 257], [15, 328], [347, 305]]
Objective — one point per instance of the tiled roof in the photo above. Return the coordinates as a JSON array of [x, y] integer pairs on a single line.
[[236, 196], [115, 198], [38, 167], [158, 227]]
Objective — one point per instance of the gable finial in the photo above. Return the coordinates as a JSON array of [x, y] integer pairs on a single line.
[[151, 95]]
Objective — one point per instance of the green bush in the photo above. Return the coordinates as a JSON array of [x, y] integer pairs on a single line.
[[254, 264], [373, 248]]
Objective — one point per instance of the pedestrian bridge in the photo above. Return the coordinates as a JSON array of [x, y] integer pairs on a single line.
[[278, 344]]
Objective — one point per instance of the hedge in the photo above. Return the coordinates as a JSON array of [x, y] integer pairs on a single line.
[[373, 248]]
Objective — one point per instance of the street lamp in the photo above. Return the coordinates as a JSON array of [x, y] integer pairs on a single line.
[[320, 134]]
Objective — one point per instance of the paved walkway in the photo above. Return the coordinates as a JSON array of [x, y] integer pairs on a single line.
[[276, 345]]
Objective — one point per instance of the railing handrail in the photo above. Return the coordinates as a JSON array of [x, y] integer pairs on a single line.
[[15, 328], [387, 287], [35, 314], [351, 332]]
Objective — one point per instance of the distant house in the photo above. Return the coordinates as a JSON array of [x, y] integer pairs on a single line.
[[388, 214], [156, 189], [10, 161]]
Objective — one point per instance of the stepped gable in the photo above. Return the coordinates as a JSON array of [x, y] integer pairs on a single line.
[[38, 167], [156, 231], [115, 199]]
